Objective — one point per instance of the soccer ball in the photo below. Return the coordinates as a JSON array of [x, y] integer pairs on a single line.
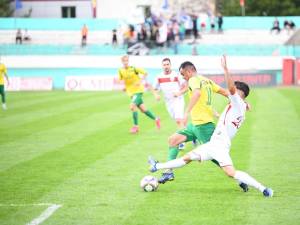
[[149, 183]]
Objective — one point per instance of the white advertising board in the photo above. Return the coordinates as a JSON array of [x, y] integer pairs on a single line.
[[91, 83], [30, 84]]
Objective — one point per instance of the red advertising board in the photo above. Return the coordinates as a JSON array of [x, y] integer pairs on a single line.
[[288, 71], [297, 72]]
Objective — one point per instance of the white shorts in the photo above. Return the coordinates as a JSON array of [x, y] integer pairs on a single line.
[[175, 108], [216, 150]]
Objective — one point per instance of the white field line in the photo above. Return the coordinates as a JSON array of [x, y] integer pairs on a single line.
[[16, 205], [45, 214]]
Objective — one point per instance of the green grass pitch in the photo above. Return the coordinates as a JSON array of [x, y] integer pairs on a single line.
[[74, 149]]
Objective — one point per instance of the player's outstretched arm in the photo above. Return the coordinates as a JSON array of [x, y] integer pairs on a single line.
[[223, 92], [228, 79]]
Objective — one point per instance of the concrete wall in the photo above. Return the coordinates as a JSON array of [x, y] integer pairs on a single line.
[[52, 9], [123, 9], [205, 63]]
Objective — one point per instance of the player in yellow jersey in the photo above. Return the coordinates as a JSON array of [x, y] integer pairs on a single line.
[[3, 73], [218, 147], [135, 89], [200, 91]]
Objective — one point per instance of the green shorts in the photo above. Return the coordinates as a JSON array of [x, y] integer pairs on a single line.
[[2, 93], [202, 132], [137, 99]]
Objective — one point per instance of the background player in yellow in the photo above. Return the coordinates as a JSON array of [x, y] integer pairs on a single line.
[[134, 87], [3, 73], [200, 91]]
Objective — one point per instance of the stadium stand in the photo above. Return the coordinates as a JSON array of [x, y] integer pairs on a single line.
[[61, 37], [241, 36], [234, 42]]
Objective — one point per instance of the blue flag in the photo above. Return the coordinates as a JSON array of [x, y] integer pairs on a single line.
[[165, 4], [18, 4]]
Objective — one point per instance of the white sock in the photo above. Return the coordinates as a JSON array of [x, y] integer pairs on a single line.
[[247, 179], [176, 163], [168, 170]]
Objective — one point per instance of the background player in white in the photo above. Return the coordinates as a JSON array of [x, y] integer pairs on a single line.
[[218, 148], [171, 84]]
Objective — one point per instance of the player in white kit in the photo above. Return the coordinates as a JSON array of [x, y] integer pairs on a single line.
[[170, 84], [218, 148]]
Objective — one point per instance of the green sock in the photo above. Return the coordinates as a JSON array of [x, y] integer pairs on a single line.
[[150, 114], [173, 152], [135, 118]]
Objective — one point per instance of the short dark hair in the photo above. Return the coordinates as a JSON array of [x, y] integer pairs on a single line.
[[166, 59], [243, 87], [187, 65]]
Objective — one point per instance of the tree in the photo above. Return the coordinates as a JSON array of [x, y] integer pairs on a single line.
[[261, 7], [5, 9]]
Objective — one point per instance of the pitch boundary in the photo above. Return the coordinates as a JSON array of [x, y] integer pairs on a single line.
[[43, 216]]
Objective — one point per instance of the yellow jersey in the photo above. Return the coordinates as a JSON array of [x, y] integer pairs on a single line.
[[133, 82], [202, 111], [2, 73]]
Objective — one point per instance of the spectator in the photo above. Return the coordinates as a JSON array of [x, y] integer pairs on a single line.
[[195, 28], [170, 35], [286, 25], [289, 26], [203, 20], [126, 36], [275, 26], [161, 35], [143, 33], [84, 33], [26, 36], [292, 25], [131, 35], [220, 22], [175, 36], [181, 31], [212, 23], [114, 37], [188, 25], [19, 37]]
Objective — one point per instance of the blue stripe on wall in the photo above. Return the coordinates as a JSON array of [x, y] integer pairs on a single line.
[[234, 22]]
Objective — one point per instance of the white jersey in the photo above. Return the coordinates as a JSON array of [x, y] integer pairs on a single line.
[[168, 84], [162, 33], [231, 119]]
